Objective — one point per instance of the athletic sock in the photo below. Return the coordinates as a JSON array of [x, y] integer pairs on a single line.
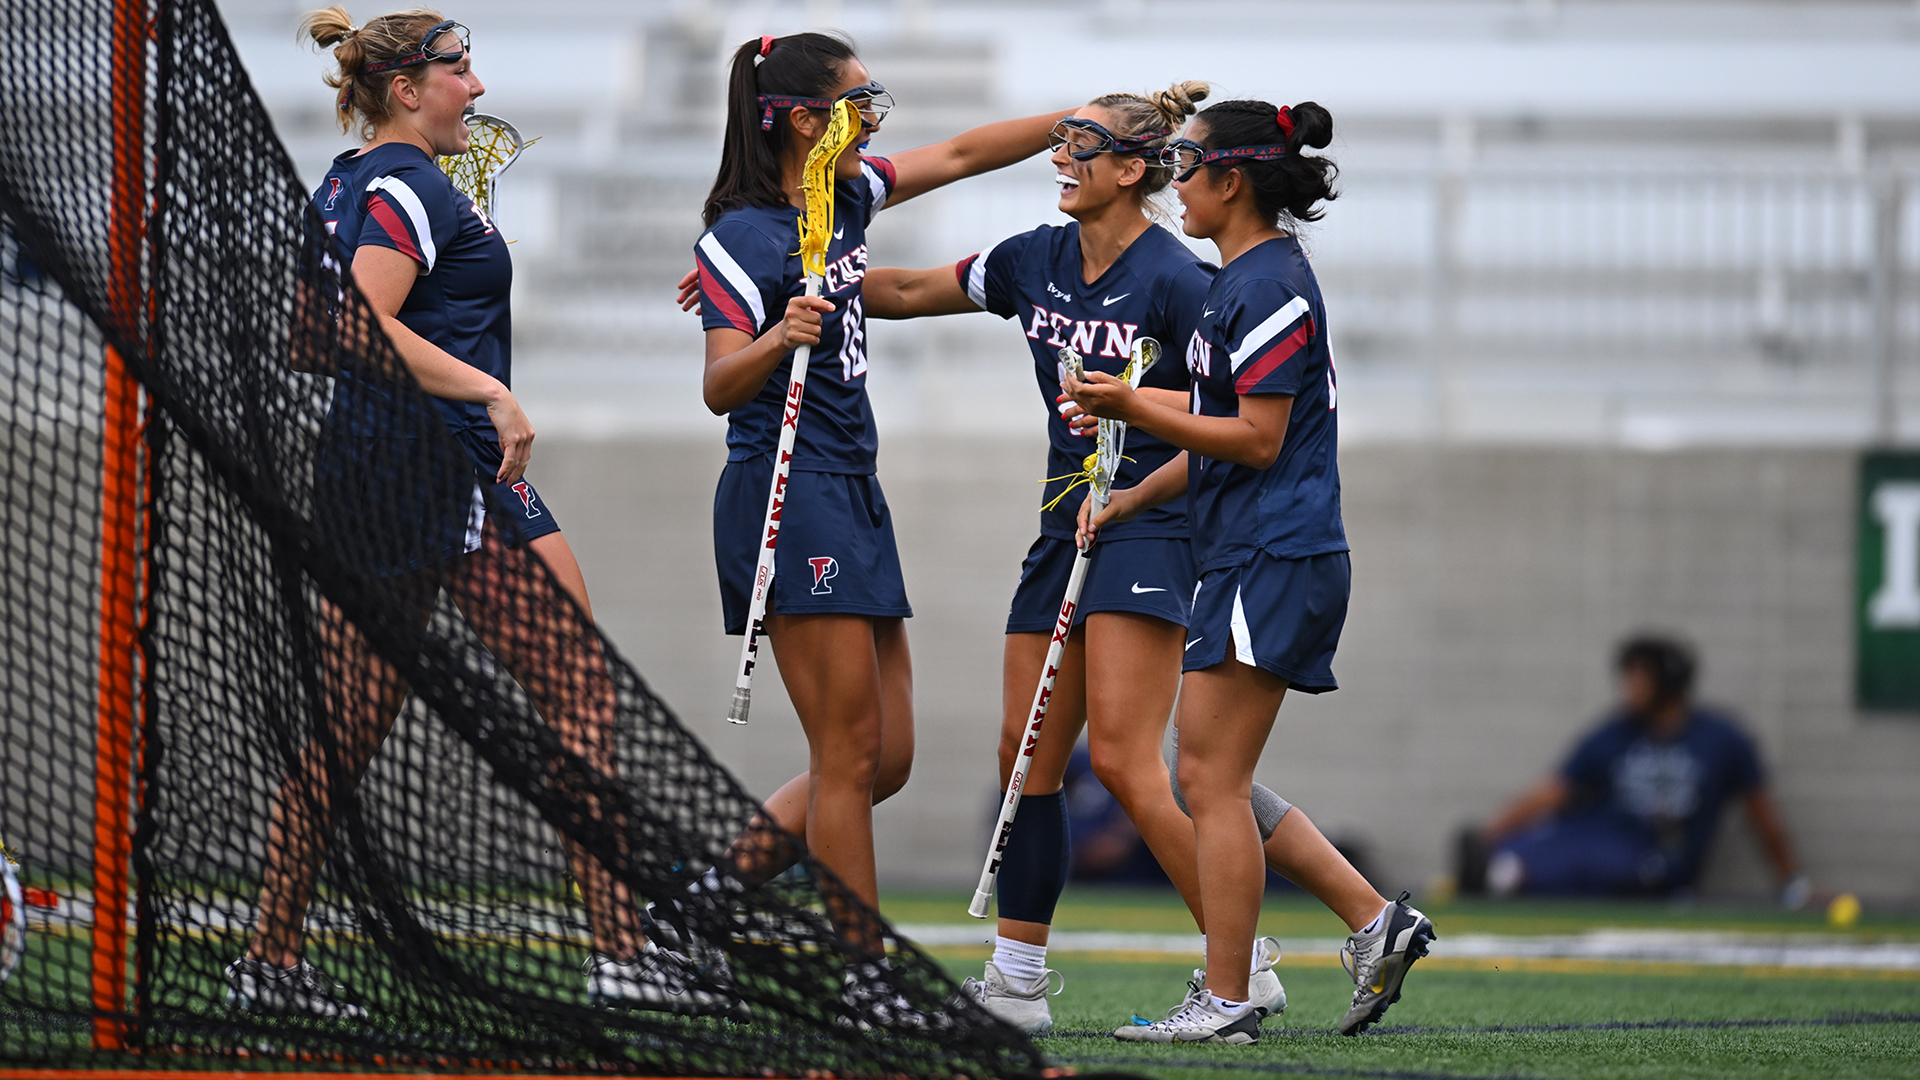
[[1022, 963], [1231, 1008], [1375, 924], [1033, 869]]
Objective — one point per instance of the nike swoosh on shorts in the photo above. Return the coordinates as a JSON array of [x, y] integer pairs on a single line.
[[1194, 642], [1138, 589]]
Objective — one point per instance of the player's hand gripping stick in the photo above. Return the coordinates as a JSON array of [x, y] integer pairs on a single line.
[[1101, 465], [816, 229]]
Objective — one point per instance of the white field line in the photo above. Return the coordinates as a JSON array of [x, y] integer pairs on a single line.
[[1812, 950], [1671, 946]]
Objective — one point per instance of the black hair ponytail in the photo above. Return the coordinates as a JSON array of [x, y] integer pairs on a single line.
[[1288, 186], [798, 65]]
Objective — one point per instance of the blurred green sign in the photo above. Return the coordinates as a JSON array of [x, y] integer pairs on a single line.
[[1887, 598]]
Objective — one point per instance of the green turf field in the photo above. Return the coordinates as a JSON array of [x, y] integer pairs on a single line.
[[1485, 1018]]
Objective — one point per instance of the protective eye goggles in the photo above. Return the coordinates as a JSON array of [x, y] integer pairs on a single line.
[[426, 51], [1085, 139], [1184, 156], [871, 100]]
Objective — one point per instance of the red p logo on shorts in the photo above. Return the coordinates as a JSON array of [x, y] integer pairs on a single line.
[[824, 568]]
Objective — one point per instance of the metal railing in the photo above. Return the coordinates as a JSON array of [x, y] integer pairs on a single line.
[[1549, 270]]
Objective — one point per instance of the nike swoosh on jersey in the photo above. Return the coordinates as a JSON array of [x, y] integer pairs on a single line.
[[1207, 313], [840, 232], [1115, 299], [1194, 642], [1138, 589]]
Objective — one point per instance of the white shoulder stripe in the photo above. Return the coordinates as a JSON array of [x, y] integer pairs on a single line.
[[736, 277], [422, 229], [977, 278], [1268, 330], [878, 190]]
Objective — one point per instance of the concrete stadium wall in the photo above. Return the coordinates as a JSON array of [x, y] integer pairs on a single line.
[[1489, 587]]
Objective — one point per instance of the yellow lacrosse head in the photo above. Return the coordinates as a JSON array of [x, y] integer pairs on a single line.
[[816, 225], [492, 145]]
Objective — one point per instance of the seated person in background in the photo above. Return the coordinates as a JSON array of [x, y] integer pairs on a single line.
[[1105, 845], [1634, 808]]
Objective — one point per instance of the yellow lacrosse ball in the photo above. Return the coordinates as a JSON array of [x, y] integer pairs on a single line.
[[1844, 911]]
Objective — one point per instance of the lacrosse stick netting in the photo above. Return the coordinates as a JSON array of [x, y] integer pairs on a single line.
[[492, 145]]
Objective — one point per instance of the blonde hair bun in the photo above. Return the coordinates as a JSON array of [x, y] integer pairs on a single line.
[[1177, 102], [327, 26]]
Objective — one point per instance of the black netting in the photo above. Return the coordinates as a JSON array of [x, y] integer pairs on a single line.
[[201, 546]]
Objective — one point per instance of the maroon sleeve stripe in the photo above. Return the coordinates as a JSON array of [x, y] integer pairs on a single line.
[[1281, 352], [396, 230], [711, 290]]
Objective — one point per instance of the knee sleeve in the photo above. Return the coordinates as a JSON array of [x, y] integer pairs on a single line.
[[1033, 869], [1268, 807]]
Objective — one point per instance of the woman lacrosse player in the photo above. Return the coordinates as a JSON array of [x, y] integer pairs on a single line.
[[835, 618], [437, 274], [1096, 284], [1270, 549]]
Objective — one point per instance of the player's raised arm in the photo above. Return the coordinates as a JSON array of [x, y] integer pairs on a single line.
[[893, 293], [970, 153]]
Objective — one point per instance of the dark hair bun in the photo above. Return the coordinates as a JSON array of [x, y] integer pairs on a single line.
[[1312, 126], [1293, 186]]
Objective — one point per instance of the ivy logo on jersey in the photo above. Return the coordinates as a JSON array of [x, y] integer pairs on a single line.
[[525, 491], [333, 192], [825, 569], [1054, 290]]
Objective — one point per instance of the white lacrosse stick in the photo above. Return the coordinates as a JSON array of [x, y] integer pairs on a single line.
[[1101, 466]]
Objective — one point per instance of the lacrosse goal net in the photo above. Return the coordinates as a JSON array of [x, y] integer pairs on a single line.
[[171, 329]]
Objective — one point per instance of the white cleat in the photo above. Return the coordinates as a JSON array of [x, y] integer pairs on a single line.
[[870, 1002], [1264, 991], [657, 980], [257, 986], [1025, 1007], [1263, 987], [1379, 962], [1197, 1020]]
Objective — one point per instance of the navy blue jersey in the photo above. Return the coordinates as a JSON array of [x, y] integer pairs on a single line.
[[749, 266], [1264, 331], [1154, 289], [1670, 790], [394, 196]]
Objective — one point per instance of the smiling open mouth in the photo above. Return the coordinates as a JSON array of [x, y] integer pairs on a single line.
[[1067, 183]]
